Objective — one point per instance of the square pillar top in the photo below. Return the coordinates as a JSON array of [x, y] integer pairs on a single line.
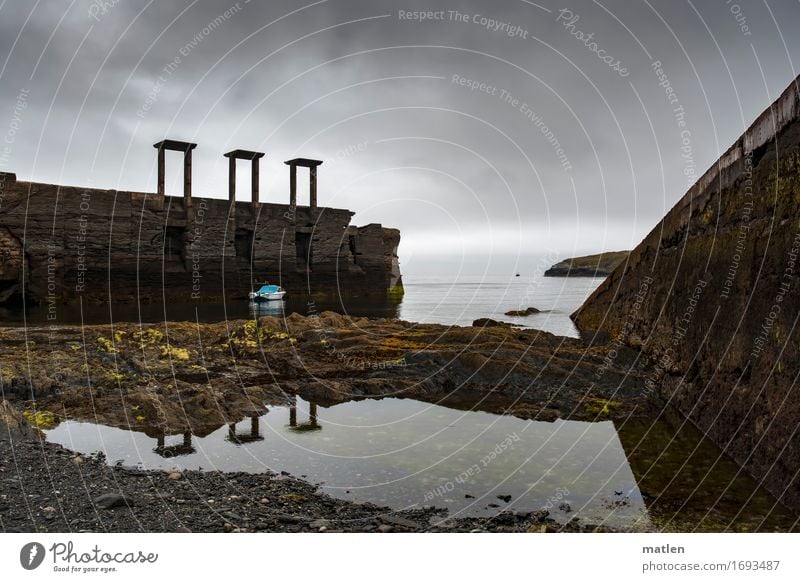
[[244, 155], [174, 145], [305, 162]]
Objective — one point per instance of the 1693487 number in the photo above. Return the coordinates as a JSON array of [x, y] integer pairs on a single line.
[[751, 565]]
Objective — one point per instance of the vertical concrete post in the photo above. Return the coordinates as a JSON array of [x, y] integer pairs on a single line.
[[162, 166], [232, 179], [313, 186], [292, 185], [312, 182], [254, 183], [187, 178]]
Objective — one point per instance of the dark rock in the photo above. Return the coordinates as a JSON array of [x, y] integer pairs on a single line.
[[401, 522], [112, 500], [486, 322], [506, 498], [522, 312]]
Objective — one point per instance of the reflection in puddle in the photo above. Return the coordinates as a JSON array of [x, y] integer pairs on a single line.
[[405, 453]]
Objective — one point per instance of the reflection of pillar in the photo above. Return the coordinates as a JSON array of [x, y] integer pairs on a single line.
[[187, 439], [293, 415], [232, 430], [254, 426], [292, 185], [312, 413], [160, 441], [162, 167]]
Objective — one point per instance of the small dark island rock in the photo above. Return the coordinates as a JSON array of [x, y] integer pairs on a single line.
[[600, 265], [522, 312]]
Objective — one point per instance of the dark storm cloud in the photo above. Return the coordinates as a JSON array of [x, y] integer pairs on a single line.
[[495, 132]]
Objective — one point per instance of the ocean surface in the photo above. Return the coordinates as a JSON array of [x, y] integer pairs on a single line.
[[444, 299], [404, 453]]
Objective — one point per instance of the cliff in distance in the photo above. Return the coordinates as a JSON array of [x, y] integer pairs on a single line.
[[600, 265], [711, 298]]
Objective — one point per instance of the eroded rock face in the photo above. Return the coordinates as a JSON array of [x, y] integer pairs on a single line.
[[183, 376], [712, 295], [13, 427]]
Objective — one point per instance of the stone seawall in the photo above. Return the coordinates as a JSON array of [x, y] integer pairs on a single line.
[[712, 298], [60, 243]]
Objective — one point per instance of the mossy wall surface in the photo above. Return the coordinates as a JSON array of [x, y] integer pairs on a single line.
[[712, 297]]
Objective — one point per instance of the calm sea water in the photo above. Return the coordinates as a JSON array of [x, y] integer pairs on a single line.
[[430, 299], [404, 453]]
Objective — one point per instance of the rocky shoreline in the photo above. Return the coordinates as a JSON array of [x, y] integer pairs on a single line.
[[178, 376], [46, 488]]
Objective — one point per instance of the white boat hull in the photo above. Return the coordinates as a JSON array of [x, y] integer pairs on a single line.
[[277, 296]]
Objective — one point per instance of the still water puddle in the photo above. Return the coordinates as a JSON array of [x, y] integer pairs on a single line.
[[404, 453]]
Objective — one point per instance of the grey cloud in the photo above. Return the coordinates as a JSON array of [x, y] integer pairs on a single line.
[[414, 150]]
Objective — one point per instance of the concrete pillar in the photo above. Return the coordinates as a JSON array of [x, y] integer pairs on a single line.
[[292, 185], [187, 179], [162, 166], [313, 186], [232, 179], [254, 182]]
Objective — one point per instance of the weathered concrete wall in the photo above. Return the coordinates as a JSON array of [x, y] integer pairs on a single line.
[[712, 298], [106, 244]]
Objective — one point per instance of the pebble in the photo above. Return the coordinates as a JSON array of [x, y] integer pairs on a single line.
[[112, 500], [175, 476]]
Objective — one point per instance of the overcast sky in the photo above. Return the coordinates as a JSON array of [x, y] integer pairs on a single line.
[[562, 145]]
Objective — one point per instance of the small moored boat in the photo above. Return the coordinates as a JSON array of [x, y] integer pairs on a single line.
[[268, 293]]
